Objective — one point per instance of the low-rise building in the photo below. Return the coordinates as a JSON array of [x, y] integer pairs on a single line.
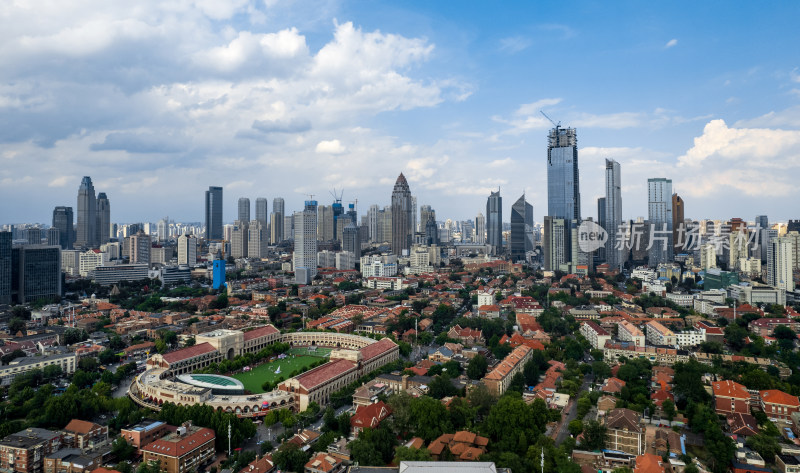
[[85, 435], [625, 431], [24, 451], [778, 405], [730, 397], [659, 335], [67, 362], [595, 334], [369, 417], [187, 449], [500, 377], [145, 432], [628, 332]]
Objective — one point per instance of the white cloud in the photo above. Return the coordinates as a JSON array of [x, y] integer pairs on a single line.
[[534, 108], [501, 163], [671, 43], [330, 147], [61, 181], [514, 44]]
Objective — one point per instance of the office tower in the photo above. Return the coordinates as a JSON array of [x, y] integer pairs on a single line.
[[414, 222], [563, 183], [521, 229], [257, 240], [385, 226], [239, 239], [612, 216], [425, 213], [351, 240], [5, 267], [600, 255], [288, 227], [35, 273], [244, 209], [214, 213], [431, 230], [33, 235], [262, 212], [480, 229], [187, 250], [762, 225], [372, 222], [708, 256], [103, 219], [162, 229], [677, 223], [659, 216], [494, 222], [87, 214], [781, 263], [402, 232], [325, 223], [62, 220], [554, 249], [467, 231], [53, 236], [140, 244], [277, 223], [305, 243]]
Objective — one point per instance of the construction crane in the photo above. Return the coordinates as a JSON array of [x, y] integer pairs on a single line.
[[557, 125], [337, 198]]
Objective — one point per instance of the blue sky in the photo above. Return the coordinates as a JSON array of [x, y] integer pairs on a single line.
[[158, 100]]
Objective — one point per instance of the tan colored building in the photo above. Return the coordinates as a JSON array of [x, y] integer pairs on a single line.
[[624, 431], [500, 377], [85, 435], [25, 450], [323, 462], [187, 449]]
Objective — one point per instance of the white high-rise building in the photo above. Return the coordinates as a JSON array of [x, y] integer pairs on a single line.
[[612, 218], [239, 240], [89, 260], [781, 263], [372, 222], [187, 250], [305, 243], [708, 256], [480, 229], [161, 229], [257, 239]]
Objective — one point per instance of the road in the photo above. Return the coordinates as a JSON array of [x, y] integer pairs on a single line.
[[572, 412], [272, 432]]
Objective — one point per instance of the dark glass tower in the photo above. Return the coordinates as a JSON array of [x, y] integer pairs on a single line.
[[103, 219], [214, 213], [521, 228], [563, 183], [494, 222], [401, 216], [63, 221], [87, 214]]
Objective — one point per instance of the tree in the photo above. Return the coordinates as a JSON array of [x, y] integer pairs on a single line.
[[736, 336], [601, 370], [766, 445], [17, 325], [290, 457], [481, 399], [408, 454], [575, 427], [669, 409], [476, 369], [108, 357], [8, 358], [517, 383], [440, 386], [594, 436], [122, 450]]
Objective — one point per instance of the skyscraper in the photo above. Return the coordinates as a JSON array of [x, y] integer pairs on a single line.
[[402, 232], [244, 209], [277, 230], [63, 221], [415, 224], [305, 243], [480, 229], [5, 267], [351, 240], [87, 214], [762, 225], [563, 184], [239, 242], [162, 229], [677, 223], [35, 272], [612, 217], [659, 215], [554, 251], [372, 222], [494, 222], [521, 229], [781, 263], [103, 219], [140, 245], [600, 255], [325, 223], [214, 213], [262, 211], [257, 239]]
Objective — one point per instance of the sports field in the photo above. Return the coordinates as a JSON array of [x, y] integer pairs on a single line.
[[253, 379]]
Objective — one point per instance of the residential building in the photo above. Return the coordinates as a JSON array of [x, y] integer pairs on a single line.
[[276, 226], [480, 229], [765, 326], [649, 463], [369, 416], [144, 433], [555, 251], [85, 435], [239, 241], [305, 243], [187, 449], [25, 450], [659, 335], [324, 462], [187, 250], [628, 332], [625, 431], [595, 334], [730, 397], [778, 405], [708, 256], [500, 377], [612, 215], [780, 264]]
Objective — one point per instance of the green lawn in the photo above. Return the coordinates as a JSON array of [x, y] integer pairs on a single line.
[[253, 379]]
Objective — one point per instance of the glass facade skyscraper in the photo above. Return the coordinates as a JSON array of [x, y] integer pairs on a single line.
[[87, 214], [214, 213], [612, 217], [63, 220], [659, 215], [494, 222], [563, 185], [521, 229], [402, 232]]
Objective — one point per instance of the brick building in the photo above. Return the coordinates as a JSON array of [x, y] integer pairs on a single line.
[[189, 448], [25, 450]]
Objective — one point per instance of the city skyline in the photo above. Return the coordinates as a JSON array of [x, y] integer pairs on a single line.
[[445, 97]]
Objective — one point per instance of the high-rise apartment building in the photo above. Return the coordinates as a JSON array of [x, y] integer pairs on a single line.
[[87, 214], [257, 240], [659, 215], [187, 250], [63, 221], [351, 240], [677, 222], [480, 229], [305, 243], [140, 245], [103, 219], [563, 185], [277, 231], [214, 213], [521, 229], [244, 209], [372, 222], [325, 223], [385, 226], [554, 251], [781, 263], [612, 217], [494, 222], [239, 243], [402, 207], [5, 267]]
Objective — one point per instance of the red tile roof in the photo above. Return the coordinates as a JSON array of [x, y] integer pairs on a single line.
[[376, 349], [80, 426], [370, 416], [175, 446], [322, 374], [730, 388], [187, 353], [260, 332], [649, 463], [774, 396]]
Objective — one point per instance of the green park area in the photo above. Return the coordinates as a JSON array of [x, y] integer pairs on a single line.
[[255, 378]]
